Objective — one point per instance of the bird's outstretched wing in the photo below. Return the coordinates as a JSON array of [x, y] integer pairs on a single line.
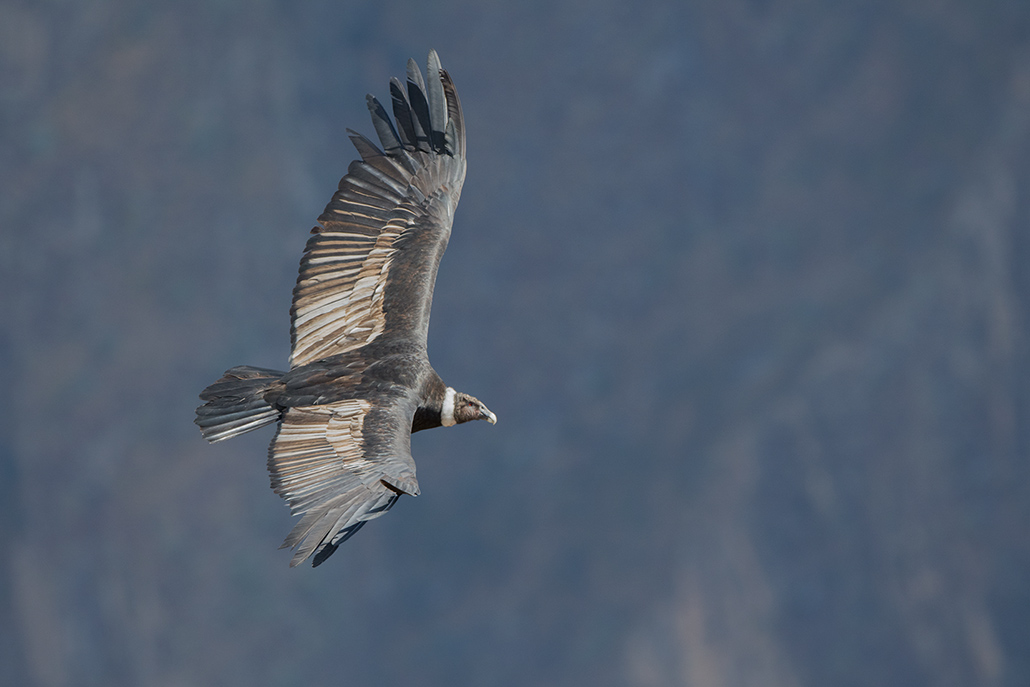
[[368, 272], [339, 466]]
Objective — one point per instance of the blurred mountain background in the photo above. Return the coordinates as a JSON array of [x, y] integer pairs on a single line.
[[744, 280]]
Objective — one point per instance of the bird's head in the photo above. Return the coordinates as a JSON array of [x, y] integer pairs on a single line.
[[459, 407]]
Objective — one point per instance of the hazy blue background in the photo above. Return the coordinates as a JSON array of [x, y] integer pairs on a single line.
[[745, 282]]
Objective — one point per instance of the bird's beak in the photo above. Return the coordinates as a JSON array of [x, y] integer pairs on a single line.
[[485, 414]]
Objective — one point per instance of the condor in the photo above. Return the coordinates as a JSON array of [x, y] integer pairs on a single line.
[[360, 381]]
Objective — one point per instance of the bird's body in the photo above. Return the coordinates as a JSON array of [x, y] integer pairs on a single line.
[[360, 381]]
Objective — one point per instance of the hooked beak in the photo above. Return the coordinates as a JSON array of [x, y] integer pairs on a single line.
[[485, 414]]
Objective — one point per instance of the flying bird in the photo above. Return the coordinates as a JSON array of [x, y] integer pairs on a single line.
[[360, 381]]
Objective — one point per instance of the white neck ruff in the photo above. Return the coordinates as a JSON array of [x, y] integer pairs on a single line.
[[447, 414]]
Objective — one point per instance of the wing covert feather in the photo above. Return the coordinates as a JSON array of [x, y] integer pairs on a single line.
[[339, 466], [368, 271]]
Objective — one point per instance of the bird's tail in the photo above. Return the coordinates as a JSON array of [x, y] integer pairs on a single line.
[[238, 402]]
